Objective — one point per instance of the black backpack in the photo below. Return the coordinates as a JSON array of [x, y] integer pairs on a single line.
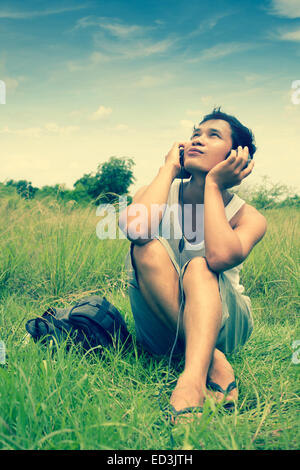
[[91, 322]]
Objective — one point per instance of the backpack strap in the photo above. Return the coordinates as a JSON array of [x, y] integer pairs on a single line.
[[104, 314], [111, 319], [47, 324]]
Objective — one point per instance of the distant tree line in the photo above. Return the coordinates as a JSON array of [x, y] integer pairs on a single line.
[[269, 195], [111, 179], [114, 177]]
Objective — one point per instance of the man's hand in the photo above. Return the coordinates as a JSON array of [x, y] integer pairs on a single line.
[[231, 171], [172, 158]]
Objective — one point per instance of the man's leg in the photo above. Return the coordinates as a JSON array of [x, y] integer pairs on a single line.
[[221, 372], [158, 282], [201, 322]]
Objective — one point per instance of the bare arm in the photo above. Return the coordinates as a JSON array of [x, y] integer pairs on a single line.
[[136, 221], [226, 247], [222, 245]]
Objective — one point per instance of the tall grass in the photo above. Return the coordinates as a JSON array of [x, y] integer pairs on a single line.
[[54, 399]]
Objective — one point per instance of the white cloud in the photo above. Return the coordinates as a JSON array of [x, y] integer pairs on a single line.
[[11, 83], [93, 59], [130, 49], [285, 8], [54, 128], [254, 77], [112, 50], [120, 30], [290, 35], [33, 132], [114, 26], [221, 50], [97, 57], [24, 15], [155, 47], [208, 24], [101, 113], [17, 164], [149, 81], [37, 132], [116, 40]]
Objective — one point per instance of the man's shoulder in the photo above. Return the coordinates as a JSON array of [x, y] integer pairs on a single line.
[[251, 210], [248, 214]]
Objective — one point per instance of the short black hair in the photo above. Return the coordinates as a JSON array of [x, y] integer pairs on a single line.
[[240, 134]]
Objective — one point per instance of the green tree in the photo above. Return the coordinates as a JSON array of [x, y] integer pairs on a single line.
[[24, 188], [111, 180]]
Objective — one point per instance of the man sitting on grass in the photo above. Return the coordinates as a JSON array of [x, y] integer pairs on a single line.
[[219, 232]]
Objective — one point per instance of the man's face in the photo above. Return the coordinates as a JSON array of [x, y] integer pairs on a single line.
[[209, 145]]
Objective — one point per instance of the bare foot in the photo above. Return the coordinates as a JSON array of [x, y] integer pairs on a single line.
[[186, 394], [222, 373]]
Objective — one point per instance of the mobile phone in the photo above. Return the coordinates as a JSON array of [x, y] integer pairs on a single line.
[[248, 161], [183, 173]]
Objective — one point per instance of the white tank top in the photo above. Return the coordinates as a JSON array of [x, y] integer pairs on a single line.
[[171, 225]]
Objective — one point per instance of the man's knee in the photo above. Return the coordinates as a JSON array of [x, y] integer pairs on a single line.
[[198, 267], [149, 254]]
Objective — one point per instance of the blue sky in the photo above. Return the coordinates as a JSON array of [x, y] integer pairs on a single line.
[[89, 80]]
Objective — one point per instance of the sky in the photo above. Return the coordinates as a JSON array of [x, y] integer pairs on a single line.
[[87, 80]]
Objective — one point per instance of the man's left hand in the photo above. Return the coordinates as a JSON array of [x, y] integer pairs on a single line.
[[231, 171]]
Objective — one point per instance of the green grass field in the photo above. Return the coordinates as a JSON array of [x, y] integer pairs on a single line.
[[50, 256]]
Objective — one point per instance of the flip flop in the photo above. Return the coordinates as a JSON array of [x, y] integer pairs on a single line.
[[217, 388], [172, 413]]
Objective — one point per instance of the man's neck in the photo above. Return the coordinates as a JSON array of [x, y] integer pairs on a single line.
[[193, 191]]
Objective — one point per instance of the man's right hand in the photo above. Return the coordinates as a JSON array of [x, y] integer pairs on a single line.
[[172, 158]]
